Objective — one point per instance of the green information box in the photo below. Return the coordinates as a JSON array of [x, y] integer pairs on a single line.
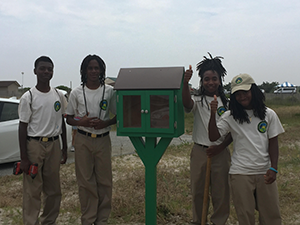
[[149, 102]]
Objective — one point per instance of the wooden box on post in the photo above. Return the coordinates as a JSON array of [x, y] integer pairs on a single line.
[[149, 102]]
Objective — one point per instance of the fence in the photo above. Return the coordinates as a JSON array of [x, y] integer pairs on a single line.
[[271, 96]]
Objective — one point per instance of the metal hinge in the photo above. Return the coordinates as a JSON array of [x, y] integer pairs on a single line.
[[175, 98], [175, 124]]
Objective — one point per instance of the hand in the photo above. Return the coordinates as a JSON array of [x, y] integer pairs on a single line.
[[64, 156], [87, 121], [214, 105], [270, 177], [213, 150], [98, 124], [25, 164], [188, 74]]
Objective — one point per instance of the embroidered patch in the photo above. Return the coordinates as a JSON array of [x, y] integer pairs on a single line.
[[221, 110], [262, 126], [103, 104], [238, 80], [57, 106]]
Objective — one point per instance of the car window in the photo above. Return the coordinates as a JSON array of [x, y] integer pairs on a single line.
[[8, 111]]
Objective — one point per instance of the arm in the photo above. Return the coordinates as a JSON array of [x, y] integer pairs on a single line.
[[64, 142], [186, 95], [84, 121], [25, 163], [100, 124], [213, 131], [216, 149], [270, 176]]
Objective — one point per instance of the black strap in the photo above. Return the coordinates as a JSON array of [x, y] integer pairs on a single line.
[[31, 97], [84, 97], [102, 100], [86, 110]]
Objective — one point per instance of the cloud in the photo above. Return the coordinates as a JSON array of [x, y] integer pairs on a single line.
[[253, 36]]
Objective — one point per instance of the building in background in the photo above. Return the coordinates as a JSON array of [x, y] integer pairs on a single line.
[[110, 80], [9, 89]]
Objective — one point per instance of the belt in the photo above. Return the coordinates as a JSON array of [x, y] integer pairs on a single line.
[[204, 146], [43, 139], [92, 135]]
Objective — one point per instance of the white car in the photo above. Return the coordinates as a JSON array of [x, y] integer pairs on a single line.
[[9, 125], [286, 90]]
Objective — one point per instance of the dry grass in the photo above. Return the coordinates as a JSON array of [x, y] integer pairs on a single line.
[[173, 186]]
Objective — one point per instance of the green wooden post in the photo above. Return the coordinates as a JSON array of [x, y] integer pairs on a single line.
[[150, 154], [149, 105]]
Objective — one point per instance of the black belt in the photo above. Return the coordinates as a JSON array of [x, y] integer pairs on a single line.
[[91, 134], [43, 139], [204, 146]]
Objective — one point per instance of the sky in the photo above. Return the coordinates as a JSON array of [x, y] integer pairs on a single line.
[[258, 37]]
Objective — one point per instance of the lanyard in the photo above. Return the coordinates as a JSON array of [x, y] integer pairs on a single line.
[[84, 97]]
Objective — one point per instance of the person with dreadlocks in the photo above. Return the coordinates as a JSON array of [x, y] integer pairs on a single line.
[[254, 129], [93, 102], [211, 73]]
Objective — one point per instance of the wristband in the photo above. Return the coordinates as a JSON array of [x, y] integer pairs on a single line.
[[271, 168]]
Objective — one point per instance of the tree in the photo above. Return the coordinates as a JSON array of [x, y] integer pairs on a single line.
[[227, 86], [65, 88], [268, 87]]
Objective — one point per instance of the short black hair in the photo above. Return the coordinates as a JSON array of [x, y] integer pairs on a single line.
[[84, 65], [43, 59]]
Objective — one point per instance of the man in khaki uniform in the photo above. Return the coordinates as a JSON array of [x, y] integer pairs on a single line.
[[93, 102], [211, 73], [41, 112]]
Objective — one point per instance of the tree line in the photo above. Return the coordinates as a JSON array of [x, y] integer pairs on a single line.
[[266, 86]]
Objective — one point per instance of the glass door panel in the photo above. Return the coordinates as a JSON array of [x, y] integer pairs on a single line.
[[159, 111], [132, 111]]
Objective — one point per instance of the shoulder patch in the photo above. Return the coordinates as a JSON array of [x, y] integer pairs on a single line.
[[57, 106], [103, 104], [262, 126], [221, 110]]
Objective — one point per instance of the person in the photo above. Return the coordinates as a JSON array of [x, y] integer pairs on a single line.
[[211, 72], [254, 129], [74, 131], [41, 111], [93, 102]]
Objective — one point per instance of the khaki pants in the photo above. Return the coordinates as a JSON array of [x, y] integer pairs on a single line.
[[219, 184], [249, 192], [48, 156], [94, 178]]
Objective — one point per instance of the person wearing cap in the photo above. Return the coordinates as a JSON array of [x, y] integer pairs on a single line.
[[254, 129]]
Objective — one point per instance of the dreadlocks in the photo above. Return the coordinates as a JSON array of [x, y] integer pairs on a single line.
[[214, 64], [84, 65], [259, 108]]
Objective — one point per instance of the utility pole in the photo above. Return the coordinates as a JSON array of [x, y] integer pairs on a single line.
[[22, 80]]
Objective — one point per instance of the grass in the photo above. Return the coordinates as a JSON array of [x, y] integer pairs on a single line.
[[173, 184]]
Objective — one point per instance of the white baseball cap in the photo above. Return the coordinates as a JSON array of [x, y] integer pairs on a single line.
[[241, 82]]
